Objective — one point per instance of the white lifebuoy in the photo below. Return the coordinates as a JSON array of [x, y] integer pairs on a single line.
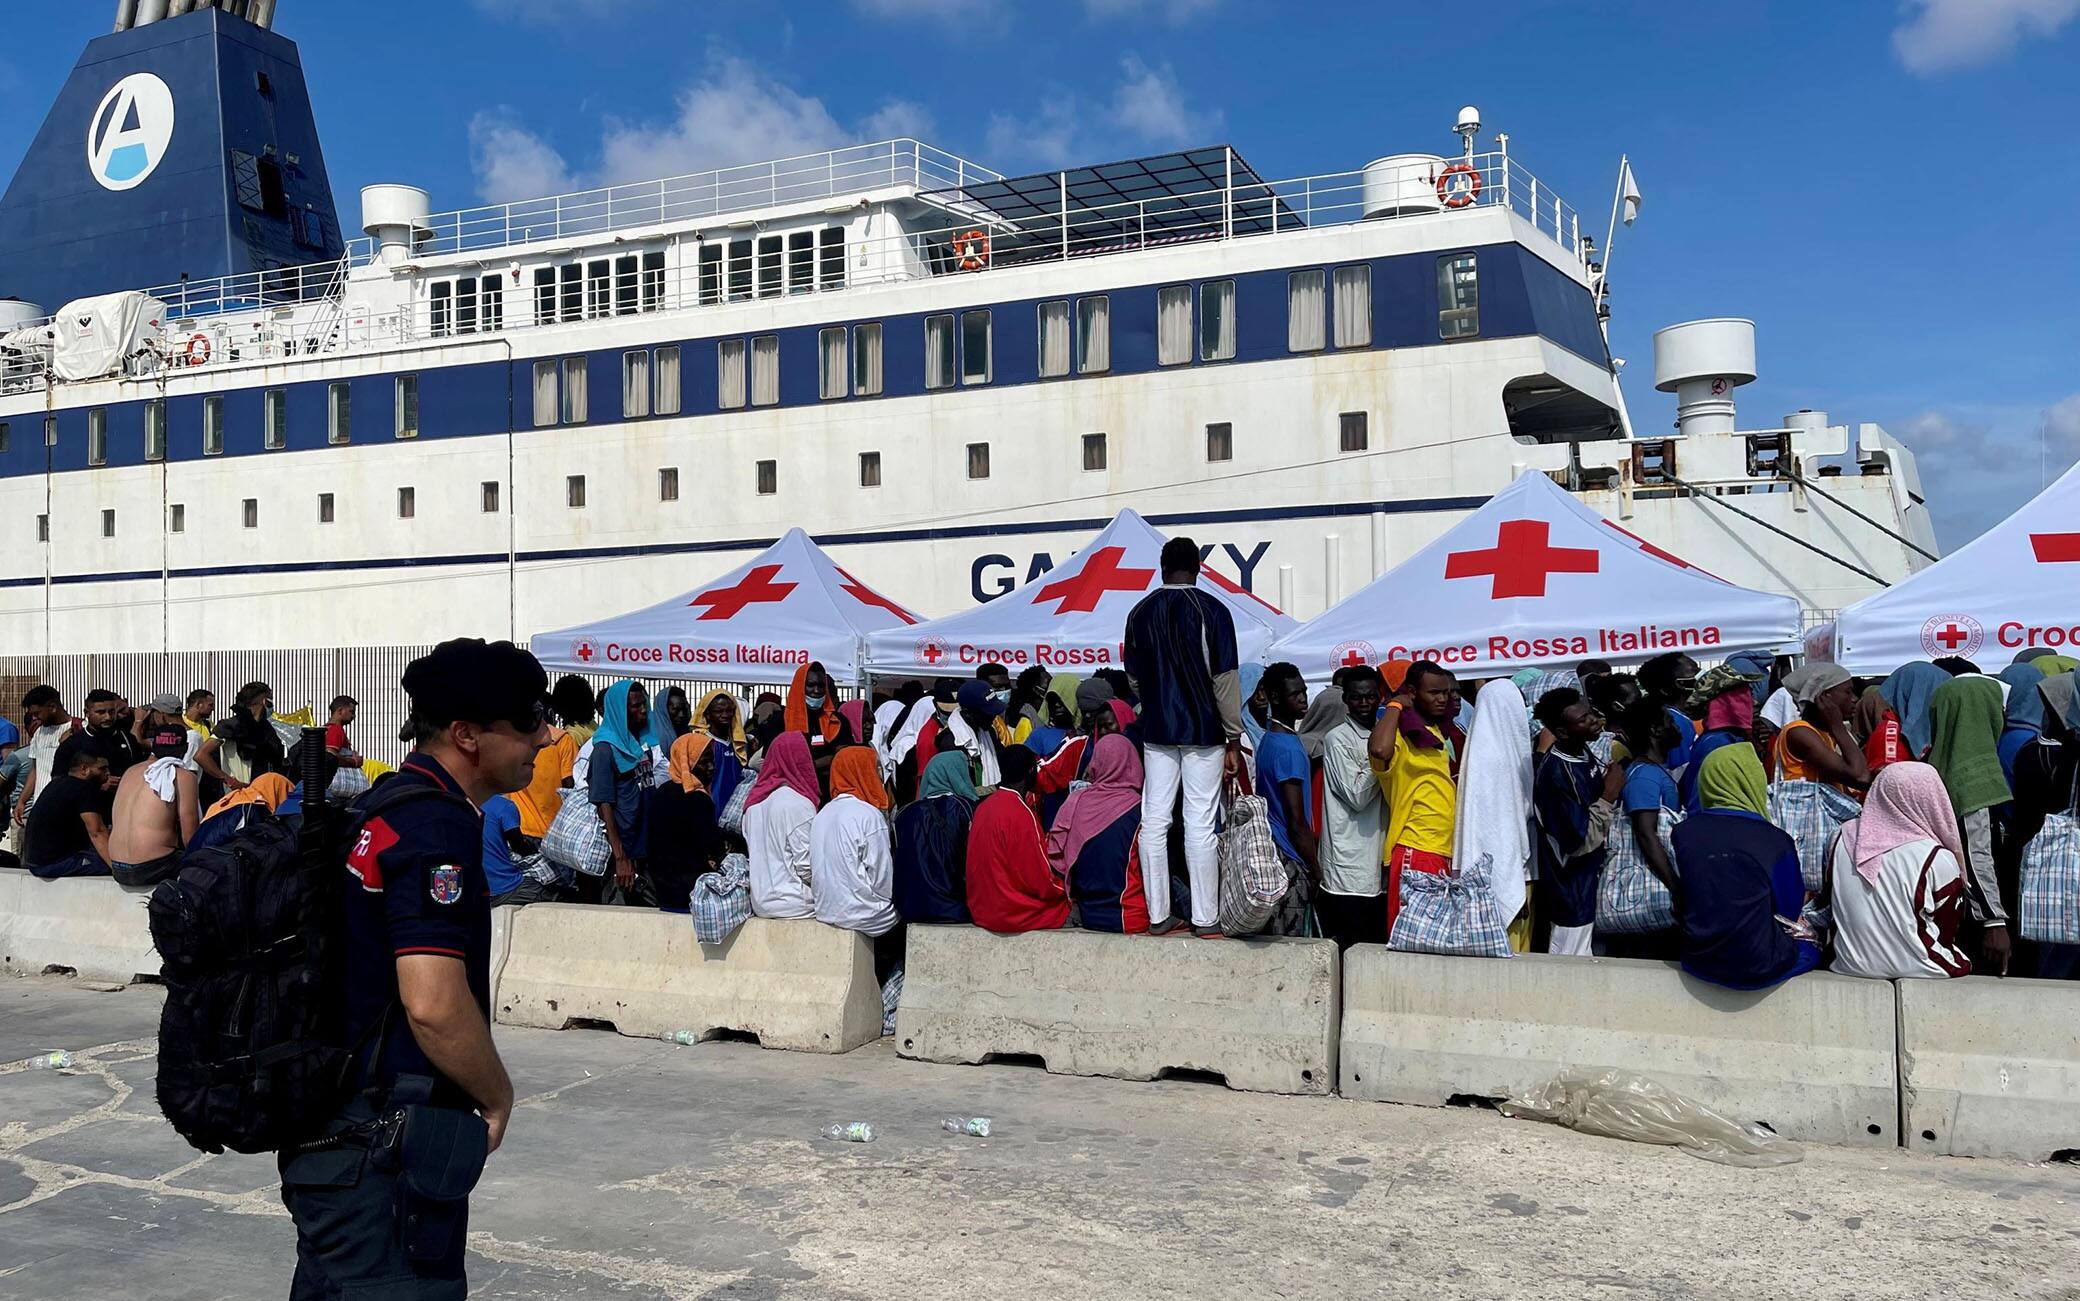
[[198, 349], [1459, 195]]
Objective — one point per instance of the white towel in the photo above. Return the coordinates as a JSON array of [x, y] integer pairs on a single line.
[[160, 776], [1495, 795]]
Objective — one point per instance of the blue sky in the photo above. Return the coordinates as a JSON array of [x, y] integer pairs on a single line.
[[1887, 188]]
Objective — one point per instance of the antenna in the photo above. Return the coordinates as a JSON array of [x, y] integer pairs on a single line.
[[1469, 126]]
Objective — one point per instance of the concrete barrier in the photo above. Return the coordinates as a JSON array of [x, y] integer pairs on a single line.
[[88, 925], [1990, 1067], [794, 984], [1261, 1013], [1815, 1058]]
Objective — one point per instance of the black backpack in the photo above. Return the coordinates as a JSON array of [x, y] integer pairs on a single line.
[[251, 1056]]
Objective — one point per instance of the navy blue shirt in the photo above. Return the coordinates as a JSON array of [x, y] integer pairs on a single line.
[[414, 884], [1179, 640], [1563, 787], [1738, 874]]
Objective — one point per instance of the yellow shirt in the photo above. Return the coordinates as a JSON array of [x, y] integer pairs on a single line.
[[539, 801], [199, 729], [1422, 801]]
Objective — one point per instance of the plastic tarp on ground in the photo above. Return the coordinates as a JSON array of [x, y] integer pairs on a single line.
[[1072, 617], [1535, 579], [757, 623], [2015, 586]]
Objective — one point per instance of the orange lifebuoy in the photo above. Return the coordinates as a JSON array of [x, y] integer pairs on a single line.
[[972, 250], [1458, 196], [198, 349]]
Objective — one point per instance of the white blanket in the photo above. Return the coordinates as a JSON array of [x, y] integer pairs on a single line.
[[1495, 795]]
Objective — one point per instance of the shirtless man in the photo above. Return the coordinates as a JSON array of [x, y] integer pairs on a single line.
[[150, 831]]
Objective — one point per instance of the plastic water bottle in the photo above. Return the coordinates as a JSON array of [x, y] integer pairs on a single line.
[[975, 1127], [858, 1131], [58, 1061], [685, 1038]]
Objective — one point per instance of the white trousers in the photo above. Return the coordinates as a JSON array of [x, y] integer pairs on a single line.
[[1198, 769]]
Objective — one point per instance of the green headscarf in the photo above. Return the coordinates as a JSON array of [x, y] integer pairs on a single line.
[[1063, 688], [2053, 665], [1968, 723], [947, 774], [1732, 779]]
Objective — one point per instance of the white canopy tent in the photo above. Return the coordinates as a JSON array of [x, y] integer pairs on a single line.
[[1535, 579], [1072, 617], [756, 624], [2015, 586]]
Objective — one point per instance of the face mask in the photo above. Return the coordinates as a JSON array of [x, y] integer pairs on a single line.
[[266, 713], [1001, 697], [814, 702]]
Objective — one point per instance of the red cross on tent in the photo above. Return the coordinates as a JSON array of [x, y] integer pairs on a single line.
[[1952, 636], [755, 588], [2056, 548], [1521, 560], [1080, 592], [865, 595]]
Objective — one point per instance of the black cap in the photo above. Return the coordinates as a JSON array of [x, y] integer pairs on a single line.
[[470, 680]]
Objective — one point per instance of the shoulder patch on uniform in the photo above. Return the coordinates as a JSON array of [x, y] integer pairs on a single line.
[[444, 883]]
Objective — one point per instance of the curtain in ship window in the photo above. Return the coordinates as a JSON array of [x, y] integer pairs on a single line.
[[635, 385], [1217, 320], [1174, 325], [1304, 311], [866, 359], [765, 370], [575, 405], [1353, 307], [544, 394], [938, 352], [729, 372], [1093, 335], [668, 381], [1054, 339], [832, 363]]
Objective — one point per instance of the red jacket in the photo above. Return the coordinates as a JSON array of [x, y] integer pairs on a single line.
[[1011, 886]]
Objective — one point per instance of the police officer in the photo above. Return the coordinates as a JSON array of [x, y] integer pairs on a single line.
[[381, 1195]]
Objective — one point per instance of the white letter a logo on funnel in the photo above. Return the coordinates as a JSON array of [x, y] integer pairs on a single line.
[[128, 135]]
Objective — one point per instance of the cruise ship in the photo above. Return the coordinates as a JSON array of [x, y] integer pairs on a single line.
[[227, 421]]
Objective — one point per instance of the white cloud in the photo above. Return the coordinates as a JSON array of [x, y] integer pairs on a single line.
[[545, 11], [1976, 469], [1942, 35], [896, 119], [1147, 109], [1175, 11], [512, 162]]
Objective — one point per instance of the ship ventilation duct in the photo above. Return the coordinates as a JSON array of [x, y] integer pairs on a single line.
[[394, 216], [143, 13], [1702, 363]]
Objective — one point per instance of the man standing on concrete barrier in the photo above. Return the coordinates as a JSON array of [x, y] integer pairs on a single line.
[[381, 1195], [1180, 652]]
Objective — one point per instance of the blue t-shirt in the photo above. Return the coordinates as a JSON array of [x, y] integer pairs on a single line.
[[1648, 786], [500, 816], [1279, 760], [9, 734], [1686, 737]]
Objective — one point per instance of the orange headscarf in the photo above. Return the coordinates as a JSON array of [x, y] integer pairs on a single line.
[[270, 789], [1396, 673], [857, 772], [686, 754], [829, 721]]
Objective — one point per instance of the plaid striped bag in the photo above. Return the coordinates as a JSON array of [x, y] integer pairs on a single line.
[[1630, 899], [731, 819], [1810, 813], [575, 839], [1253, 875], [2051, 879], [1451, 912], [722, 900]]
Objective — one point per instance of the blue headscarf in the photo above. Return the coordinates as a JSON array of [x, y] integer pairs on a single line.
[[628, 749], [2025, 702], [1247, 680], [1757, 665], [1911, 691]]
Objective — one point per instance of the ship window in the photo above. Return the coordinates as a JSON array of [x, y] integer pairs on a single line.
[[466, 305], [653, 281], [574, 491], [833, 367], [729, 374], [43, 528], [938, 352], [1054, 339], [765, 370], [1093, 335], [1220, 441], [274, 418], [1354, 307], [325, 508], [108, 523], [1094, 451], [627, 284], [407, 406], [249, 512], [635, 384], [769, 247], [3, 436], [440, 311], [599, 288], [489, 488], [155, 429], [491, 304], [801, 262], [245, 180], [832, 273], [213, 426], [274, 200], [978, 460], [1173, 325], [307, 227], [739, 269], [1352, 435], [574, 403], [177, 518], [572, 292], [97, 436], [975, 347], [667, 369], [1458, 297], [407, 503], [1217, 320], [711, 273], [1304, 311], [768, 478], [544, 295], [668, 483], [870, 469], [338, 413], [50, 431], [544, 394], [866, 359]]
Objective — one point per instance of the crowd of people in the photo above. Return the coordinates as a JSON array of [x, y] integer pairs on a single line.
[[1751, 820]]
